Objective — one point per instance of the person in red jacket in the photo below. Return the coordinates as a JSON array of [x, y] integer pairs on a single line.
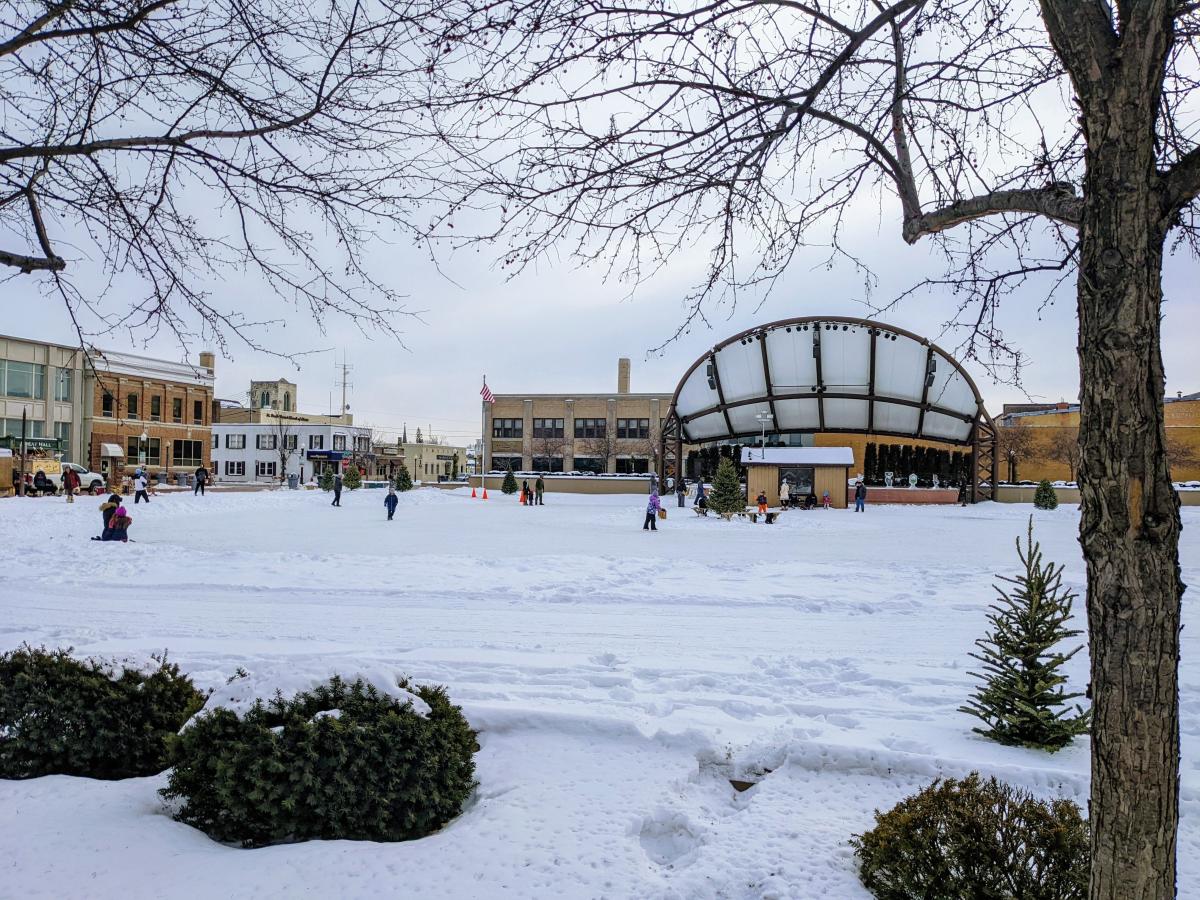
[[70, 480]]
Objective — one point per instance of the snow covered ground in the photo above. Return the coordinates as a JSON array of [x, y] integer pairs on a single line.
[[619, 680]]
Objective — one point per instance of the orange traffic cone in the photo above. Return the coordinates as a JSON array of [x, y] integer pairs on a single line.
[[485, 493], [522, 498], [472, 493]]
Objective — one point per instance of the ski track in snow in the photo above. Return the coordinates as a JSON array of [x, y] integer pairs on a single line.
[[618, 679]]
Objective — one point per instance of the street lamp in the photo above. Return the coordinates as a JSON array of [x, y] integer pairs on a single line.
[[763, 418], [143, 441]]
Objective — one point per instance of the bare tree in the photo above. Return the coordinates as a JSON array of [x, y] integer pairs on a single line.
[[1063, 447], [1181, 454], [285, 437], [602, 447], [1016, 445], [170, 142], [547, 447], [1035, 142]]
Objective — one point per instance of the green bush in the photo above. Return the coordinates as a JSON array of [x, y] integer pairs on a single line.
[[403, 481], [353, 479], [341, 761], [1044, 497], [60, 715], [975, 839], [509, 485], [326, 480]]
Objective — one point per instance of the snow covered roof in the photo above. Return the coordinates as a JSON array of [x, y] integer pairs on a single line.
[[798, 456], [827, 373]]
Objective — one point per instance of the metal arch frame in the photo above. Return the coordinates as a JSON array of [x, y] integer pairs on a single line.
[[981, 440]]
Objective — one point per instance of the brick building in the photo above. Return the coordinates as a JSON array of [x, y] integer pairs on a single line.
[[149, 412]]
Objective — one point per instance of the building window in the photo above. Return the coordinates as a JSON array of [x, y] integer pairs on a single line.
[[266, 441], [235, 442], [177, 409], [548, 428], [508, 428], [131, 406], [287, 401], [187, 453], [633, 466], [633, 428], [265, 469], [594, 465], [24, 380], [216, 441], [339, 442], [500, 463], [363, 443], [590, 428], [316, 442], [235, 468], [62, 386], [264, 399], [156, 408], [135, 447], [107, 405], [547, 463], [198, 412], [289, 441], [12, 428], [62, 431]]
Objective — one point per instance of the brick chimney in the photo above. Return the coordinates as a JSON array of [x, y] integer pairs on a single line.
[[622, 376], [208, 361]]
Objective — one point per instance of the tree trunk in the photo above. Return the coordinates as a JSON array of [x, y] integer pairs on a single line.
[[1130, 522]]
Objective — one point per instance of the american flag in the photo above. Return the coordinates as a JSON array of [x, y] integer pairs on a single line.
[[486, 394]]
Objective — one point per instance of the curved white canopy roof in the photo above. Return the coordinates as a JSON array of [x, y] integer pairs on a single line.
[[827, 374]]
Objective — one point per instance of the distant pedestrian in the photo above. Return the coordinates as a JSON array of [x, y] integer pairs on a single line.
[[139, 488], [201, 480], [860, 496], [826, 500], [681, 491], [526, 493], [701, 497], [390, 502], [761, 500], [652, 508], [539, 487], [337, 489], [785, 494], [70, 480]]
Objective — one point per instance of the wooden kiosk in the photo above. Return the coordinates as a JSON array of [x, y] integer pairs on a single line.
[[815, 469]]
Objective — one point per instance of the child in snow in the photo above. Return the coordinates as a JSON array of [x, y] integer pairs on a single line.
[[761, 500], [652, 509], [390, 502], [139, 487], [118, 526], [107, 508], [826, 500]]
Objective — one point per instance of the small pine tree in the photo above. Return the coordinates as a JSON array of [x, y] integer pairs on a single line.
[[353, 478], [509, 486], [326, 481], [1022, 700], [403, 481], [1044, 497], [726, 496]]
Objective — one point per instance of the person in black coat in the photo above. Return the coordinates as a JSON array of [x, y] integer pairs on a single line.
[[337, 490], [860, 496], [390, 501], [201, 481]]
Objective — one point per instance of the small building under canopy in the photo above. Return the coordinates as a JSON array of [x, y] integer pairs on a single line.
[[807, 470]]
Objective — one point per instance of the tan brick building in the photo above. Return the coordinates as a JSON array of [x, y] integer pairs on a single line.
[[149, 412], [610, 432]]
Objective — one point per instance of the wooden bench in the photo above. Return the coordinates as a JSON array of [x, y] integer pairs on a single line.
[[770, 515], [700, 510]]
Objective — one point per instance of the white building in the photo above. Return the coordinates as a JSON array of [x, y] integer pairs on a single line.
[[270, 451]]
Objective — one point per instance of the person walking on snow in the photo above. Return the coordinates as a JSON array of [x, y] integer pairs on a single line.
[[139, 488], [526, 493], [652, 509], [761, 500], [70, 482], [681, 490], [785, 494], [337, 490], [201, 480], [860, 496], [539, 487], [390, 502]]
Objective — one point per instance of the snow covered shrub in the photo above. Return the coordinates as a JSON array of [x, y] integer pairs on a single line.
[[1045, 497], [403, 481], [726, 496], [1022, 699], [60, 715], [975, 838], [341, 761]]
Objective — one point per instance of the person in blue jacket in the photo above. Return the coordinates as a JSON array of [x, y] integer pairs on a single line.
[[390, 502]]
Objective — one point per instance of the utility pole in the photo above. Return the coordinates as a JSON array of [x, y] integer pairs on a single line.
[[21, 468], [344, 383]]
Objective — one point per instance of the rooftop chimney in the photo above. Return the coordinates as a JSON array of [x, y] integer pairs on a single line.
[[208, 360], [622, 376]]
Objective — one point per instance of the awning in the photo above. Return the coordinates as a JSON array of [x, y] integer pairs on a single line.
[[332, 455], [111, 450]]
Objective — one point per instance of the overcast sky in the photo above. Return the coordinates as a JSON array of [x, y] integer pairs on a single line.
[[562, 329]]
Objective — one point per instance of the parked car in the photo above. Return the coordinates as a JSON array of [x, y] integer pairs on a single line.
[[88, 481]]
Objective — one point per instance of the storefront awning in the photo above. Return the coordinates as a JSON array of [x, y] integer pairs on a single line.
[[111, 450], [331, 455]]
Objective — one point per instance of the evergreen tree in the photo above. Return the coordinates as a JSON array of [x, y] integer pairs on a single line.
[[726, 496], [1022, 700], [919, 454], [1045, 497], [403, 481], [944, 470], [352, 480], [326, 482], [870, 458], [509, 485], [906, 463]]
